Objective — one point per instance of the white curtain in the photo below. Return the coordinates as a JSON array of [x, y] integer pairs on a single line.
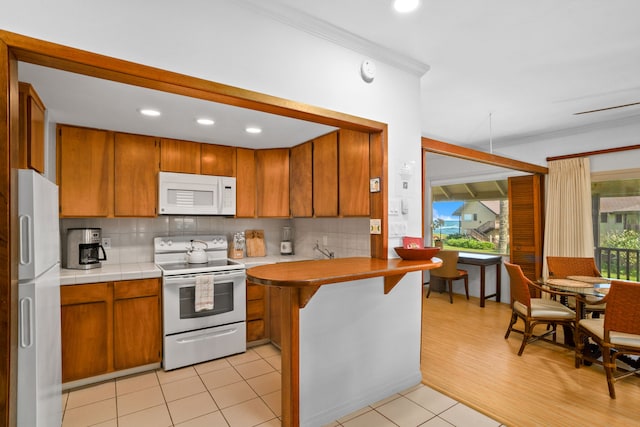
[[568, 220]]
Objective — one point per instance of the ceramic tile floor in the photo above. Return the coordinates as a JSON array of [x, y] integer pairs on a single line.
[[238, 391]]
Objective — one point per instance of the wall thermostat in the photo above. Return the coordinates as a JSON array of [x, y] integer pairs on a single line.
[[368, 70]]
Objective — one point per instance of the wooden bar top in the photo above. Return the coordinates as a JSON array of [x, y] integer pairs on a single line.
[[314, 273]]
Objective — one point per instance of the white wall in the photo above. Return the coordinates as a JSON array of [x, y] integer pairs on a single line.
[[355, 353]]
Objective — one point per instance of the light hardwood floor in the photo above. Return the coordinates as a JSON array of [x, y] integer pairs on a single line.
[[465, 356]]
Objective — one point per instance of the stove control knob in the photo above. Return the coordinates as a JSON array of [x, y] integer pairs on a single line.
[[169, 242]]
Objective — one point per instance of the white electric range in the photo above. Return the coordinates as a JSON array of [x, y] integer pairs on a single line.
[[193, 334]]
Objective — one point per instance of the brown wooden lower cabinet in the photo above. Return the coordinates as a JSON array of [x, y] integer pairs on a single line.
[[137, 323], [86, 334], [256, 312], [109, 326]]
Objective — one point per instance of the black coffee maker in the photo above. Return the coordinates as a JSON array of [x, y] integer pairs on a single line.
[[83, 249]]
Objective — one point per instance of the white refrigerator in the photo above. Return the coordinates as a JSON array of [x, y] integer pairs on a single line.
[[39, 350]]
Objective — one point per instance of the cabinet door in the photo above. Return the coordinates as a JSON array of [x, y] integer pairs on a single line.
[[85, 172], [272, 181], [245, 183], [31, 128], [325, 175], [301, 182], [256, 312], [353, 152], [86, 331], [179, 156], [137, 332], [136, 175], [217, 160]]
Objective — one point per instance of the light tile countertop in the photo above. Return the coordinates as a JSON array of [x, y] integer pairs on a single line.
[[110, 273], [147, 270]]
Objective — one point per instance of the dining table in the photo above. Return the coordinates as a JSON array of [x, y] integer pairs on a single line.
[[586, 289]]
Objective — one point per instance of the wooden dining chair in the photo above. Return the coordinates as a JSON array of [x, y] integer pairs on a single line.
[[449, 272], [616, 335], [561, 267], [535, 311]]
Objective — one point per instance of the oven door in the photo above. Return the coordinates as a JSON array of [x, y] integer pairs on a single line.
[[180, 315]]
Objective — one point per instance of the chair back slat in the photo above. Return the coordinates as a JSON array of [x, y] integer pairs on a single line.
[[560, 267], [449, 267], [518, 284], [623, 307]]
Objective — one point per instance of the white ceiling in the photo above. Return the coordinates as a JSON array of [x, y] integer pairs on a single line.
[[529, 64], [499, 69], [85, 101]]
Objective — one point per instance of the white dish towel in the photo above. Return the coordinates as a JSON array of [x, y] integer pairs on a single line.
[[204, 292]]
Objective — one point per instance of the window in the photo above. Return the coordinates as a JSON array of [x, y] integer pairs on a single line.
[[617, 235], [471, 216]]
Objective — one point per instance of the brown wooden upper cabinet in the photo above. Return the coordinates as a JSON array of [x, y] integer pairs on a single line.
[[300, 182], [325, 175], [136, 175], [272, 182], [353, 175], [217, 160], [179, 156], [85, 171], [246, 183], [31, 129]]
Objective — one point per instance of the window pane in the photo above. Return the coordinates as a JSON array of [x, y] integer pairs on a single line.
[[617, 234], [471, 217]]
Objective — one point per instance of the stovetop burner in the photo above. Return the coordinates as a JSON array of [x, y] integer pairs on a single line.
[[170, 254]]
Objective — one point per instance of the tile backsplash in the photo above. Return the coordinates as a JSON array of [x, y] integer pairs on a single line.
[[132, 238]]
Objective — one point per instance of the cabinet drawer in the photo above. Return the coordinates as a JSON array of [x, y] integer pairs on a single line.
[[255, 330], [136, 288], [255, 310], [255, 292], [78, 294]]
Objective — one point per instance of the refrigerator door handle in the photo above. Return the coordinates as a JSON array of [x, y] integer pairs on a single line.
[[26, 323], [24, 235]]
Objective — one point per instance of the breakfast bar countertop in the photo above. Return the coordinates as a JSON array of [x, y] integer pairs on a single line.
[[313, 273]]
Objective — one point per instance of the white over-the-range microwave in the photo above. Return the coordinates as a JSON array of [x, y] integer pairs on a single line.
[[191, 194]]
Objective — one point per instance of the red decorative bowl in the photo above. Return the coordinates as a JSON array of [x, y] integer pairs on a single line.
[[417, 253]]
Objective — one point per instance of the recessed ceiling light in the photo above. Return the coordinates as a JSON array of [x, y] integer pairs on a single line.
[[149, 112], [205, 122], [253, 129], [404, 6]]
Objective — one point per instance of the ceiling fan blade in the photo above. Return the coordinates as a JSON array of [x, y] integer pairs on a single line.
[[608, 108]]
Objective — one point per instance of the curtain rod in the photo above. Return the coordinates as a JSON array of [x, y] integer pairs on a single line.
[[591, 153]]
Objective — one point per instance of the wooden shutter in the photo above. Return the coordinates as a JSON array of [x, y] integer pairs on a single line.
[[526, 223]]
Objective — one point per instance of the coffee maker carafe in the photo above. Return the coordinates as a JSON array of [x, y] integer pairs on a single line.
[[83, 248], [286, 244]]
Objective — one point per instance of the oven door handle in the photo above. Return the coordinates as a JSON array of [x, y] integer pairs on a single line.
[[208, 335]]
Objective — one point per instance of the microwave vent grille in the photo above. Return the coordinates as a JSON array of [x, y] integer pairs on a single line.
[[187, 198]]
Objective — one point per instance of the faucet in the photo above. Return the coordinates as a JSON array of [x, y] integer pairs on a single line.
[[324, 252]]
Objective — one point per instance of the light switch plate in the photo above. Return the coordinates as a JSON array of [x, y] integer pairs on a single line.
[[375, 226]]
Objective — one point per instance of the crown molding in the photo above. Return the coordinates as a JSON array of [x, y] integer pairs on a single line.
[[327, 31]]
